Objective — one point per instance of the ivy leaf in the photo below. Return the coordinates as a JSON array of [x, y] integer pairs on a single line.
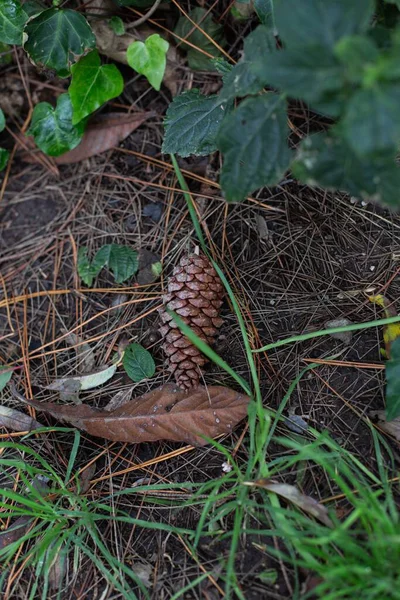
[[2, 121], [149, 58], [322, 21], [138, 363], [253, 141], [12, 21], [5, 376], [191, 124], [117, 25], [5, 54], [307, 75], [92, 85], [57, 38], [185, 29], [326, 160], [371, 123], [244, 78], [393, 382], [52, 128]]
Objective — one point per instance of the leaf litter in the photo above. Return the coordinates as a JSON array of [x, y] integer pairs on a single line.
[[166, 413]]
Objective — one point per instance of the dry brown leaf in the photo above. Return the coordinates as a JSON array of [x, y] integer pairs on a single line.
[[16, 420], [291, 493], [104, 133], [167, 413]]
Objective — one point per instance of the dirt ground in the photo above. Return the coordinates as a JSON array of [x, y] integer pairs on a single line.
[[296, 258]]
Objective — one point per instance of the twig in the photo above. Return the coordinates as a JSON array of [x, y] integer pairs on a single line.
[[144, 18]]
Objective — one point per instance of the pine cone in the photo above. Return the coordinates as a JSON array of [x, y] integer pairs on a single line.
[[195, 294]]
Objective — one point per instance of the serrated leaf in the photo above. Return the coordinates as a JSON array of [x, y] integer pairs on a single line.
[[121, 260], [52, 128], [4, 156], [87, 271], [92, 85], [253, 141], [12, 21], [5, 376], [325, 160], [138, 363], [307, 75], [320, 22], [87, 381], [192, 123], [57, 38], [198, 61], [244, 78], [371, 123], [149, 58], [117, 25], [393, 382], [2, 121], [166, 413]]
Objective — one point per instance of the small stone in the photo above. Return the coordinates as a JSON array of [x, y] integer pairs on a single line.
[[226, 467]]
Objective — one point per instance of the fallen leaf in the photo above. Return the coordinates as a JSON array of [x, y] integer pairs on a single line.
[[16, 420], [102, 134], [85, 477], [391, 427], [392, 331], [120, 398], [344, 336], [166, 413], [87, 381], [291, 493]]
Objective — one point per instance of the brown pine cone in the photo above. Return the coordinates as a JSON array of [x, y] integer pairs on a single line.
[[195, 293]]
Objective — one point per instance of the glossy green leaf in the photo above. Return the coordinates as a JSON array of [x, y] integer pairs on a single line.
[[138, 363], [253, 141], [57, 38], [4, 156], [2, 121], [302, 23], [52, 128], [185, 29], [327, 161], [393, 382], [149, 58], [5, 376], [244, 78], [371, 123], [92, 85], [117, 25], [192, 123], [12, 21]]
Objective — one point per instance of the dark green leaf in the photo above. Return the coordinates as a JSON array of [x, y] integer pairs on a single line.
[[149, 58], [117, 25], [221, 65], [2, 121], [52, 128], [4, 156], [327, 161], [265, 11], [307, 75], [302, 23], [393, 382], [371, 123], [253, 141], [198, 61], [12, 21], [244, 78], [92, 85], [56, 39], [5, 54], [5, 376], [121, 260], [356, 53], [87, 270], [192, 123], [138, 363]]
